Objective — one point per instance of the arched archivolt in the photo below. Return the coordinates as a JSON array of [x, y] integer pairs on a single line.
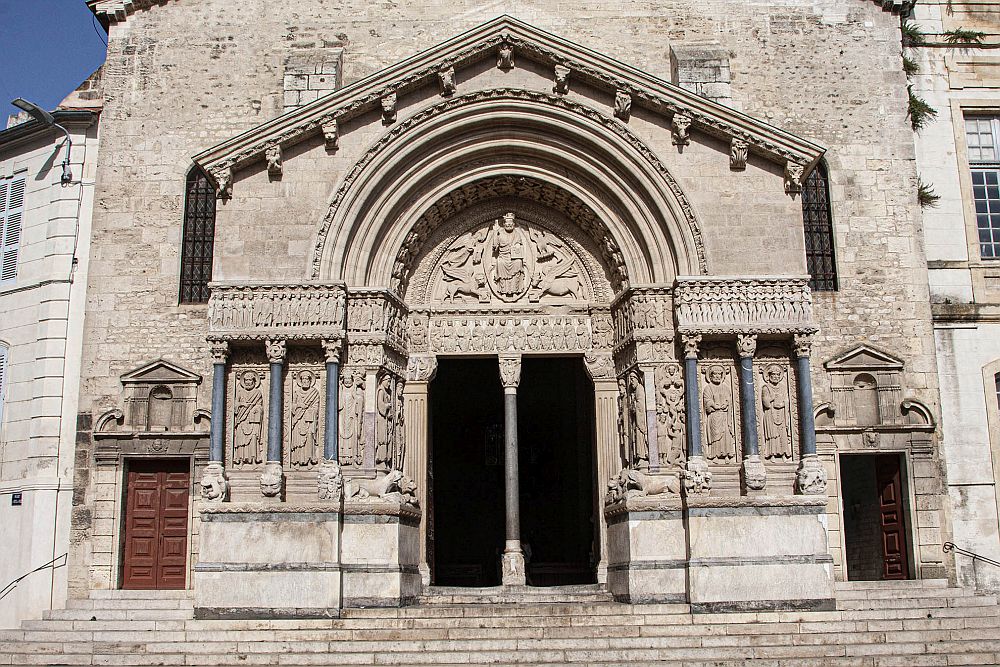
[[513, 134]]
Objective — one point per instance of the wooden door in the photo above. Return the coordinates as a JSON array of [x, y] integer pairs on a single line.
[[156, 523], [890, 496]]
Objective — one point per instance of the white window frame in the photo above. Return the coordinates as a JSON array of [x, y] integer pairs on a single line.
[[990, 168], [11, 227]]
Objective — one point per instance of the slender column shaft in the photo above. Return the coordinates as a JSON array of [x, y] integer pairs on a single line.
[[652, 443], [332, 417], [748, 407], [691, 406], [807, 425], [513, 532], [274, 413], [216, 448], [371, 393]]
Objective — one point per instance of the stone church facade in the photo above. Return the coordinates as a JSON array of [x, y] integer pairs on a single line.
[[504, 296]]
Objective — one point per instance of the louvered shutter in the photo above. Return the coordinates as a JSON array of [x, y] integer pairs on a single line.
[[12, 197]]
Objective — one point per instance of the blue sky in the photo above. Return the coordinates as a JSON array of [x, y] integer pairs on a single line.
[[48, 48]]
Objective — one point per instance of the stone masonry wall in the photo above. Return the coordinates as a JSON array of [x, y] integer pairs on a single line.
[[182, 77]]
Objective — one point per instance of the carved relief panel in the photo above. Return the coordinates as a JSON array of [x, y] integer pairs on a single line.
[[376, 316], [389, 427], [499, 331], [777, 410], [670, 418], [305, 388], [720, 407], [247, 402], [351, 399]]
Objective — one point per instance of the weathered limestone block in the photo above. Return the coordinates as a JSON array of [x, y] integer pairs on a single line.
[[380, 553], [647, 551], [268, 560], [758, 553]]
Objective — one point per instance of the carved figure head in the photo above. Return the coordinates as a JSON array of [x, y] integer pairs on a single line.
[[249, 380], [715, 374], [347, 379], [508, 222], [774, 374], [306, 379]]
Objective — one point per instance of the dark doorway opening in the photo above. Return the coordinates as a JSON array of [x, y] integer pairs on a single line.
[[875, 516], [556, 472], [156, 524]]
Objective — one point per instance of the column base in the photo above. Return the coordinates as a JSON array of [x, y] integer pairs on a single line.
[[753, 473], [330, 481], [512, 563], [811, 478], [697, 478], [214, 484], [272, 480]]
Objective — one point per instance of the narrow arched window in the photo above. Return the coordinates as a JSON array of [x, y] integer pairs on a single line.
[[820, 260], [198, 238]]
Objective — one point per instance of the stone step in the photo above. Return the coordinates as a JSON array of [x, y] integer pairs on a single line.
[[883, 593], [895, 584], [923, 602], [118, 614], [141, 595], [130, 603]]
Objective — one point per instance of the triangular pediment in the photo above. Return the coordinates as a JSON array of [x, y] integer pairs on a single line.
[[864, 357], [160, 371], [585, 66]]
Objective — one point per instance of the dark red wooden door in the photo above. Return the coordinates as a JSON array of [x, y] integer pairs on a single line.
[[156, 513], [890, 495]]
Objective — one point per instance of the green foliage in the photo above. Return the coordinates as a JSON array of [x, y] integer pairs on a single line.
[[963, 36], [918, 110], [912, 35], [910, 66], [926, 195]]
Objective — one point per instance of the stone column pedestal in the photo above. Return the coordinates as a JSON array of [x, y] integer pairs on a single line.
[[380, 550], [647, 550]]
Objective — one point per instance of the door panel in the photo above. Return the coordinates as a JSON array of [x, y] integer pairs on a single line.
[[889, 480], [156, 520]]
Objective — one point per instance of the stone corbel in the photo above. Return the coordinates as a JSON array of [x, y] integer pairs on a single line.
[[421, 368], [331, 135], [561, 86], [680, 125], [599, 366], [505, 57], [794, 173], [446, 78], [738, 151], [623, 105], [273, 157], [224, 180], [389, 109]]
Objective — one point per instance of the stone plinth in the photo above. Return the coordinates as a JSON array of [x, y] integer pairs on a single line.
[[260, 561], [380, 551], [647, 551], [758, 553]]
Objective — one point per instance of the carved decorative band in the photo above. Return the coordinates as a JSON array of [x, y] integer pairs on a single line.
[[255, 311], [727, 305]]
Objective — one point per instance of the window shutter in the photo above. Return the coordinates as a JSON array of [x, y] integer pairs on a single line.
[[13, 211]]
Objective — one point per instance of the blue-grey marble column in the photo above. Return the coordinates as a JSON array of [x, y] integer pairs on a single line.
[[331, 430], [272, 480], [697, 478], [753, 472], [513, 557], [220, 351], [811, 477]]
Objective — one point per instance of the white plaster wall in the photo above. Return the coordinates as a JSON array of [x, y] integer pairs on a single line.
[[42, 325]]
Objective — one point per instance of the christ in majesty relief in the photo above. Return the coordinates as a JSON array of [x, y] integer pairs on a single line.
[[510, 244]]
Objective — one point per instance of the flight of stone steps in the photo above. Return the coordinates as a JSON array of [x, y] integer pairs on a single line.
[[900, 623]]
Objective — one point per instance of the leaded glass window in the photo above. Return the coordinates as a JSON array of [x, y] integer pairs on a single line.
[[982, 136], [198, 238], [820, 260]]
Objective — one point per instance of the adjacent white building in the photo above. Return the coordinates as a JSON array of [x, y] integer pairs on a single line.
[[958, 157], [45, 230]]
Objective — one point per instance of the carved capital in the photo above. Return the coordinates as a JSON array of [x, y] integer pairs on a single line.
[[803, 345], [219, 349], [276, 350], [332, 348], [746, 344], [389, 109], [505, 57], [561, 86], [599, 366], [446, 77], [738, 151], [679, 126], [510, 370], [623, 104], [691, 343], [273, 157], [331, 134], [754, 474], [421, 368], [793, 177]]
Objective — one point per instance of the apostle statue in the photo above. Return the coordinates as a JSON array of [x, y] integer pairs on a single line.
[[248, 446], [641, 432], [774, 401], [384, 418], [352, 412], [716, 399], [305, 421]]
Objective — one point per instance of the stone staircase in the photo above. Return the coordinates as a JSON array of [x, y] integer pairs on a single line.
[[876, 624]]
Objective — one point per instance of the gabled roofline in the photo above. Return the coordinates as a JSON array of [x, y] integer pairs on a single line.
[[528, 42], [840, 362], [32, 130], [132, 376]]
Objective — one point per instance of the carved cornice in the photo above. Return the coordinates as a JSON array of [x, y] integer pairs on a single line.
[[579, 63], [727, 305]]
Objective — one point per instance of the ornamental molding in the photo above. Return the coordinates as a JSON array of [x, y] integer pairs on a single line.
[[276, 311], [492, 40], [727, 305]]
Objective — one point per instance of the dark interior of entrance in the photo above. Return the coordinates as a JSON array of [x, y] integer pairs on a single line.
[[875, 530], [556, 462]]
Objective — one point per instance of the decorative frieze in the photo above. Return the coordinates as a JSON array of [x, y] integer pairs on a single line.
[[643, 314], [510, 333], [261, 311], [743, 305], [376, 316]]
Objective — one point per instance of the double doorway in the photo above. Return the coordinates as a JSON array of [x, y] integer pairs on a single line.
[[557, 475]]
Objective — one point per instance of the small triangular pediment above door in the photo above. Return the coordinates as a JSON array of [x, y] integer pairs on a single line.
[[160, 371], [508, 41], [864, 357]]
